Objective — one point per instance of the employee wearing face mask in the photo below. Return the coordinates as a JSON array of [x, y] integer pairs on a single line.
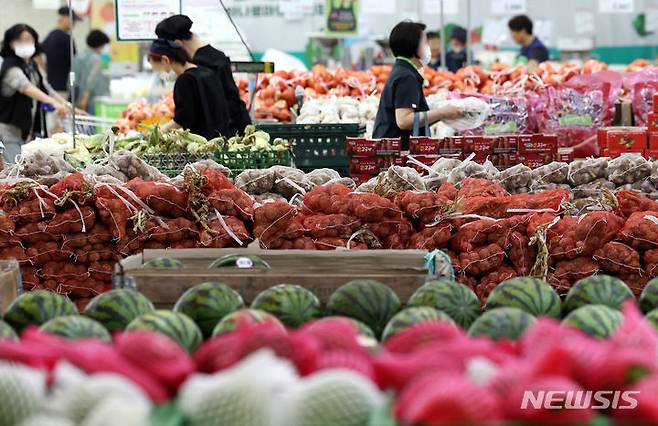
[[23, 91], [403, 109], [88, 66], [200, 101]]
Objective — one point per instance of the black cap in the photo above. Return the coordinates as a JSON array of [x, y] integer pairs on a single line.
[[459, 34], [65, 11], [175, 27], [164, 47]]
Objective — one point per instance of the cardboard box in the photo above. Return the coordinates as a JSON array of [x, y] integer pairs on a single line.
[[653, 140], [627, 139], [602, 137], [453, 145], [481, 145], [423, 146], [322, 272], [373, 165], [535, 160], [505, 144], [652, 121], [363, 147], [651, 154], [565, 155], [425, 160], [538, 144], [655, 102]]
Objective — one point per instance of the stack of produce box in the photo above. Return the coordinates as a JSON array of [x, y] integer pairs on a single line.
[[368, 157]]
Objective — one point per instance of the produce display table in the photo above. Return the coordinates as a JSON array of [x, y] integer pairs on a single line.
[[319, 271]]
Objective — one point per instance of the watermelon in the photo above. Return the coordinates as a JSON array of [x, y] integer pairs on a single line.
[[291, 304], [37, 308], [365, 300], [361, 328], [6, 332], [164, 263], [180, 328], [649, 296], [117, 308], [502, 323], [410, 316], [208, 303], [233, 321], [76, 327], [652, 317], [595, 320], [239, 261], [21, 393], [531, 295], [453, 298], [597, 290]]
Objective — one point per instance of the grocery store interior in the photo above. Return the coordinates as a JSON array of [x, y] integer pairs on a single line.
[[328, 212]]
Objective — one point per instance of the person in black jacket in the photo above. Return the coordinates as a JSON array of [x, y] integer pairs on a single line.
[[177, 28]]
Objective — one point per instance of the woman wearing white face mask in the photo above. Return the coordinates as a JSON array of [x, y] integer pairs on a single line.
[[23, 90], [88, 67], [199, 99], [402, 106]]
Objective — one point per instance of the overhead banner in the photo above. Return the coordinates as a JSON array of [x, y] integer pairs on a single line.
[[136, 19], [341, 17]]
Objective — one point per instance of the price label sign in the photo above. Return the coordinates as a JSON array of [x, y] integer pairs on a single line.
[[508, 7], [616, 6], [136, 19]]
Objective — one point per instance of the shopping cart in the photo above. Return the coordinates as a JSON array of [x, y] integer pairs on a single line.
[[88, 124]]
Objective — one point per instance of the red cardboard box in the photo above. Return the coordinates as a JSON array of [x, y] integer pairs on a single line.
[[538, 144], [363, 147], [503, 144], [565, 155], [602, 137], [426, 160], [481, 145], [651, 154], [653, 140], [615, 154], [627, 139], [652, 121], [373, 165], [453, 145], [360, 178], [535, 160], [503, 161], [423, 146], [655, 102]]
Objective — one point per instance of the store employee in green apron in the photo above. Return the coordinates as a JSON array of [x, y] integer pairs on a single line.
[[403, 110]]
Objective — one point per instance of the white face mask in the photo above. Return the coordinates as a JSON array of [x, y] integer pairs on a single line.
[[168, 76], [426, 56], [24, 50]]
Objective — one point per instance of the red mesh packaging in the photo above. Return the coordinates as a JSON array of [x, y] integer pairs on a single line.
[[332, 226], [522, 256], [98, 234], [78, 288], [72, 221], [301, 243], [216, 235], [632, 202], [214, 180], [30, 211], [101, 271], [650, 258], [567, 272], [421, 207], [636, 282], [482, 259], [41, 253], [164, 198], [184, 244], [371, 208], [115, 207], [448, 191], [276, 222], [537, 220], [30, 279], [95, 253], [491, 281], [170, 230], [326, 199], [433, 238], [73, 187], [7, 232], [17, 252], [474, 187], [596, 229], [618, 258], [61, 271], [552, 201], [478, 233], [35, 233], [641, 230], [232, 202], [333, 243], [399, 240]]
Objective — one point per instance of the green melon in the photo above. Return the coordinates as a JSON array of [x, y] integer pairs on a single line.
[[176, 326], [411, 316], [502, 323], [531, 295], [453, 298], [234, 320], [37, 308], [239, 261], [164, 263], [361, 328], [365, 300], [20, 394], [291, 304], [652, 317], [6, 332], [117, 308], [595, 320], [76, 327], [649, 296], [597, 290], [208, 303]]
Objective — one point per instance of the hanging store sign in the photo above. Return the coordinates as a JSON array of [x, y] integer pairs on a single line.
[[341, 17], [136, 19]]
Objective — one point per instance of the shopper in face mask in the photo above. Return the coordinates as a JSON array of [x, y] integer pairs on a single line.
[[23, 91], [403, 103], [88, 67], [200, 101]]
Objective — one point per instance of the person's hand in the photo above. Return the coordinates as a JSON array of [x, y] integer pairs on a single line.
[[451, 113], [81, 111], [83, 104], [62, 110]]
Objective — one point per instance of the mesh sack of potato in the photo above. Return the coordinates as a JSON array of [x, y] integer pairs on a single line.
[[224, 231], [522, 255], [332, 225], [34, 210], [232, 202], [74, 187], [482, 260], [631, 202], [641, 231], [467, 169], [422, 208], [322, 176], [650, 261], [433, 238], [489, 282], [164, 198], [592, 189], [256, 181], [628, 169], [289, 181], [475, 187], [101, 170], [132, 166], [516, 178], [618, 258], [399, 179], [568, 272], [275, 223], [327, 199], [587, 170], [51, 251], [72, 221], [555, 173]]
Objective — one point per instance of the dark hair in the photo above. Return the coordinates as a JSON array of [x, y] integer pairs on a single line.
[[97, 38], [433, 34], [170, 49], [405, 38], [13, 34], [175, 27], [459, 33], [519, 23]]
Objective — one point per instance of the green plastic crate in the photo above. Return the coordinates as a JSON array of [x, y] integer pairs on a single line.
[[172, 164], [316, 146]]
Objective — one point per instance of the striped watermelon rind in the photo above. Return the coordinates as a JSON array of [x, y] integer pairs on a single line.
[[164, 263], [76, 327], [410, 316], [595, 320], [361, 328], [117, 308], [235, 320], [531, 295], [652, 317], [6, 332], [178, 327], [37, 308], [293, 305], [453, 298], [208, 303], [649, 296], [597, 290], [502, 323], [235, 260], [368, 301]]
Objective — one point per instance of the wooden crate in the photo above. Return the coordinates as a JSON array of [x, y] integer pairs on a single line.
[[319, 271]]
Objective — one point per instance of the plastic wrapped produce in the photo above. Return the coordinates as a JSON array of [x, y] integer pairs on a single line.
[[467, 169], [592, 189], [555, 172], [132, 166], [515, 178], [256, 181], [322, 176], [587, 170], [628, 169], [399, 179], [289, 181]]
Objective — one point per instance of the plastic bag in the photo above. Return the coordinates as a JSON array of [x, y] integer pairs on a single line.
[[555, 172], [256, 181], [628, 169], [475, 111], [515, 178], [587, 170]]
